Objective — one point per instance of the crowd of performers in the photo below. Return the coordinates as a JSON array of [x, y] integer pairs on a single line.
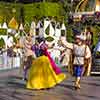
[[41, 70]]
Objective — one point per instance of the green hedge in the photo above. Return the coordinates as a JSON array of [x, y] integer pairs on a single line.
[[8, 10], [29, 10], [2, 43], [95, 30], [41, 9], [3, 31]]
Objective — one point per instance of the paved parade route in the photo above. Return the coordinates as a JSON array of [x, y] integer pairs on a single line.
[[12, 87]]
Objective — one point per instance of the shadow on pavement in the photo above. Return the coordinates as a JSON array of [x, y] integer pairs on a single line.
[[91, 83], [16, 85], [91, 97], [16, 77], [66, 86]]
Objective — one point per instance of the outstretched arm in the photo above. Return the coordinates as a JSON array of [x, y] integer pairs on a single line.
[[65, 43]]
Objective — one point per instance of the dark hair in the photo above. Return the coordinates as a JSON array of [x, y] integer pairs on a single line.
[[28, 34], [39, 39], [88, 28], [63, 33], [37, 31]]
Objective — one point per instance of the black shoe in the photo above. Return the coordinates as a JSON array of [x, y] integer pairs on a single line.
[[25, 79]]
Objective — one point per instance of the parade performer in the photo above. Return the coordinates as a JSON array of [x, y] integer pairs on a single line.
[[89, 36], [81, 58], [29, 55], [43, 72], [10, 44], [10, 52], [35, 48], [65, 54], [55, 53], [44, 48]]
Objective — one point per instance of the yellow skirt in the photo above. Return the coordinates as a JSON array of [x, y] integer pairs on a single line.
[[41, 75]]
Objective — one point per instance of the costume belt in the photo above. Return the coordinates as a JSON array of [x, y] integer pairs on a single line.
[[78, 56], [78, 64]]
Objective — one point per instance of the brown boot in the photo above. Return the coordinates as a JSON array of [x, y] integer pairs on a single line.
[[77, 83], [78, 86]]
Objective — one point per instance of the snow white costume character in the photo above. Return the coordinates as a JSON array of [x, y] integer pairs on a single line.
[[44, 73]]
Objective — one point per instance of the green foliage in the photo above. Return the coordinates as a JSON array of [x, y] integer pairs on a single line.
[[2, 43], [49, 39], [27, 27], [41, 9], [15, 39], [1, 19], [96, 30], [60, 9], [70, 34], [47, 30], [8, 10], [3, 31]]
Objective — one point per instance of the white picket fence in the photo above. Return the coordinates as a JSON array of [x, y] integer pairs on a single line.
[[9, 62]]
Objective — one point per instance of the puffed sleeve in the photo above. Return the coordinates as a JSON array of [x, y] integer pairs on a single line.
[[66, 44], [88, 52], [27, 44], [89, 59]]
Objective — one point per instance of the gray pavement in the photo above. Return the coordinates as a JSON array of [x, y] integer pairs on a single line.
[[12, 87]]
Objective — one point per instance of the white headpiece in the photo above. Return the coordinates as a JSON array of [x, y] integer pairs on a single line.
[[77, 36], [82, 37]]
